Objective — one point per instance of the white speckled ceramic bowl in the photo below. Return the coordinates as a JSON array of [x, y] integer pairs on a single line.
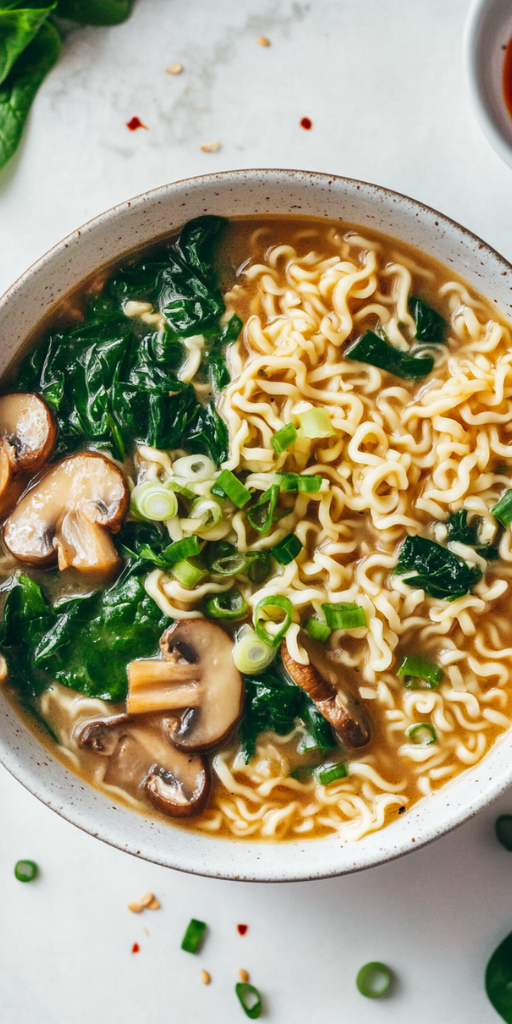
[[488, 30], [22, 307]]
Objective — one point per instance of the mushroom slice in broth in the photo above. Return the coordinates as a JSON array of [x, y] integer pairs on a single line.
[[324, 680], [69, 515], [143, 762], [27, 436], [197, 677]]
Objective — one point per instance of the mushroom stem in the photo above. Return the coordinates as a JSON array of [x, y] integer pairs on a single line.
[[161, 686]]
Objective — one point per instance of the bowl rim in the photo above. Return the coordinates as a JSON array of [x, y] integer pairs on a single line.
[[473, 27], [456, 814]]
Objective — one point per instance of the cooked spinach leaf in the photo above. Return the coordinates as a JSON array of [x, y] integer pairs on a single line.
[[430, 326], [434, 569], [95, 12], [460, 530], [17, 30], [378, 352], [273, 703], [19, 88], [82, 642]]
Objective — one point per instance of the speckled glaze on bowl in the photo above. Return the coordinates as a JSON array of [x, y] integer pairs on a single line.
[[32, 297]]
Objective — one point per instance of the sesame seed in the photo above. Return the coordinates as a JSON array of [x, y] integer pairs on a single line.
[[262, 41], [243, 975], [205, 978], [175, 69], [210, 147]]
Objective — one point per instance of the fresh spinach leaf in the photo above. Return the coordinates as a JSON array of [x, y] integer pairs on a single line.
[[95, 12], [17, 30], [18, 90], [498, 979], [273, 703], [207, 434], [430, 326], [434, 569], [378, 352]]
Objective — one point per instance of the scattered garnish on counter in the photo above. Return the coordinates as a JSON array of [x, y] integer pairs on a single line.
[[135, 947], [243, 975], [193, 936], [250, 999], [210, 147], [205, 977], [175, 69], [374, 980], [135, 123], [498, 979], [503, 828], [242, 928], [262, 41], [148, 902], [306, 123], [26, 870]]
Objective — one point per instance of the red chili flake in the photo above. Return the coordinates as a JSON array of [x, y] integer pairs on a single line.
[[306, 123], [135, 947], [136, 123], [242, 928]]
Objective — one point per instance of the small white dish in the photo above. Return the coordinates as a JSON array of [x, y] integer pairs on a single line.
[[488, 30]]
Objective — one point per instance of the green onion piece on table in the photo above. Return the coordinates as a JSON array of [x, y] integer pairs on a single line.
[[280, 604], [376, 352], [185, 548], [498, 979], [196, 468], [259, 566], [318, 630], [430, 326], [193, 936], [503, 829], [421, 668], [316, 423], [503, 510], [250, 999], [332, 773], [344, 615], [26, 870], [230, 487], [423, 734], [251, 654], [153, 500], [284, 438], [188, 573], [261, 515], [374, 980], [301, 482], [287, 549], [229, 606]]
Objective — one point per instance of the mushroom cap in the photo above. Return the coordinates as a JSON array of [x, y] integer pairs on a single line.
[[325, 682], [197, 677], [143, 761], [70, 513], [27, 436]]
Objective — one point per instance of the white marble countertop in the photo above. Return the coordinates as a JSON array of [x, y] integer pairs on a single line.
[[384, 86]]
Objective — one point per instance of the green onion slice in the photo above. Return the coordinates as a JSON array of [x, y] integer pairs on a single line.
[[250, 654], [229, 606], [284, 438], [229, 565], [216, 549], [287, 549], [189, 573], [317, 629], [299, 482], [261, 515], [332, 773], [316, 423], [153, 500], [374, 980], [208, 511], [259, 566], [503, 829], [26, 870], [503, 510], [276, 601], [195, 468], [423, 734], [230, 487], [180, 549], [249, 998], [193, 936], [421, 668], [377, 352], [344, 615], [184, 492]]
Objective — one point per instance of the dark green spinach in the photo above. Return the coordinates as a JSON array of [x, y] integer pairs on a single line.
[[17, 30], [430, 326], [19, 88], [95, 12], [498, 979], [378, 352], [434, 569], [271, 702]]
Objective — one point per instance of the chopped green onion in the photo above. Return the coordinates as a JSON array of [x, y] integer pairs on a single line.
[[318, 630], [332, 773], [184, 492], [249, 998], [230, 487], [250, 654], [503, 829], [217, 549], [185, 548], [195, 468], [261, 515], [503, 510], [208, 511], [303, 773], [193, 936], [259, 566], [188, 573], [152, 500], [376, 352], [26, 870], [287, 549], [344, 615], [421, 668], [373, 980], [299, 482], [229, 606], [284, 438], [423, 734], [276, 601], [315, 423], [229, 565]]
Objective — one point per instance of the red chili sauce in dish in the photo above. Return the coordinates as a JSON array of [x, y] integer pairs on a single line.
[[507, 77]]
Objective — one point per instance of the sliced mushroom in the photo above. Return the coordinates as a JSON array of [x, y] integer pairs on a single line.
[[197, 677], [27, 436], [69, 514], [326, 684], [142, 761]]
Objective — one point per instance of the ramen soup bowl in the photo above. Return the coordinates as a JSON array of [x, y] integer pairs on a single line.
[[31, 301]]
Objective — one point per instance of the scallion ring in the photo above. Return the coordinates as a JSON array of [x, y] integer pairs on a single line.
[[423, 734], [259, 566], [374, 980], [208, 511], [195, 468], [229, 565], [249, 998], [26, 870], [284, 438], [318, 630], [316, 423], [188, 573], [279, 603], [250, 654], [229, 606], [153, 500]]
